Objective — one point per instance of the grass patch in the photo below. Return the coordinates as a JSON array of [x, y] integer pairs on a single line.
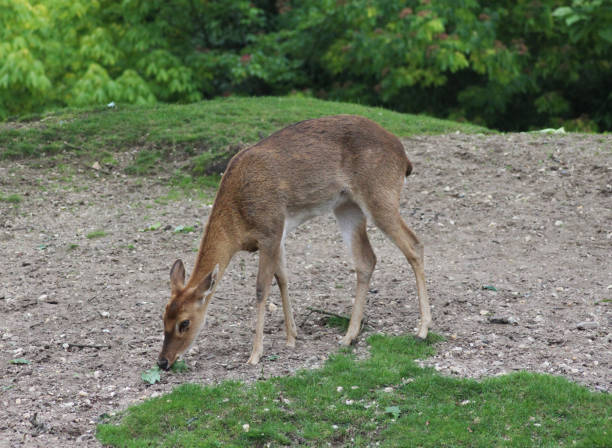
[[342, 323], [146, 162], [96, 234], [386, 399], [185, 184], [11, 198], [201, 136]]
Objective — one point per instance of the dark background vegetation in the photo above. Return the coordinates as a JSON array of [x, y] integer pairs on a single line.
[[509, 65]]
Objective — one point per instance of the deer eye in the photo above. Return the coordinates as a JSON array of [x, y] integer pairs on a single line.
[[183, 326]]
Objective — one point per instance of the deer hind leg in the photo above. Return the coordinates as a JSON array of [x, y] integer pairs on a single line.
[[268, 261], [389, 220], [281, 279], [352, 224]]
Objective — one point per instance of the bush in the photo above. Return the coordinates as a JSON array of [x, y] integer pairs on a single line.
[[505, 64]]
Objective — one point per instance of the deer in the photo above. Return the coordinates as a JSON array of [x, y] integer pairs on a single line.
[[345, 164]]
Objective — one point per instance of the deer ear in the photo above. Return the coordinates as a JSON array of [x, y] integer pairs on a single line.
[[177, 276], [208, 284]]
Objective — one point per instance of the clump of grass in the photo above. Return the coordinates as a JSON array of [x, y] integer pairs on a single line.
[[96, 234], [342, 323], [386, 399], [184, 229], [11, 198], [146, 162]]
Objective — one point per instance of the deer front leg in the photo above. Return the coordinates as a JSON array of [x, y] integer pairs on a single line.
[[281, 279], [267, 263]]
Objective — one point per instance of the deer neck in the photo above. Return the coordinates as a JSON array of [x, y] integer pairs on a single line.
[[216, 247]]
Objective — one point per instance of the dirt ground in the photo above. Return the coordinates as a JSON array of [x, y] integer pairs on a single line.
[[517, 229]]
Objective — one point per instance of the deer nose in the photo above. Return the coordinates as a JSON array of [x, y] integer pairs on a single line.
[[163, 363]]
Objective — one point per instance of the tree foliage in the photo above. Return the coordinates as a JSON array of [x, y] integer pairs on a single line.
[[505, 64]]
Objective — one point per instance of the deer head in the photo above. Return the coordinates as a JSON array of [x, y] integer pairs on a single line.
[[185, 313]]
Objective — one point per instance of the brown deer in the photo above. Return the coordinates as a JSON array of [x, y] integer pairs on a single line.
[[345, 164]]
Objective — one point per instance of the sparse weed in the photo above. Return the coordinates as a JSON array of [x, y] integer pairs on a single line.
[[11, 198], [96, 234]]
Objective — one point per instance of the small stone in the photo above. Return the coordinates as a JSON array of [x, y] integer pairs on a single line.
[[558, 223], [484, 312], [388, 389], [349, 402], [272, 307], [104, 313], [246, 427], [588, 325], [339, 389], [503, 320], [82, 393]]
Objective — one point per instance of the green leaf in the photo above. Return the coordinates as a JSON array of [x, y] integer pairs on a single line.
[[151, 376], [184, 229], [606, 34], [180, 366], [489, 288], [394, 411], [155, 226], [19, 361], [573, 19], [562, 11]]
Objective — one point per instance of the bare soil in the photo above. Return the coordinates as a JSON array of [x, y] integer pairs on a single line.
[[517, 229]]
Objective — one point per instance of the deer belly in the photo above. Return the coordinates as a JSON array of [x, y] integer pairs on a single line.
[[297, 216]]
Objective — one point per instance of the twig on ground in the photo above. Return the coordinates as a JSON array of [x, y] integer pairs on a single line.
[[327, 313], [320, 311], [87, 346]]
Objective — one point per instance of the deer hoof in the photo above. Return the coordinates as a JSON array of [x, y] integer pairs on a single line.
[[254, 359], [346, 341], [422, 333]]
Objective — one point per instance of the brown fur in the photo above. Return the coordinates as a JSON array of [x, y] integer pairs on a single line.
[[344, 163]]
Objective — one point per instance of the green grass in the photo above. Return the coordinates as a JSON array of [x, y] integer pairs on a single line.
[[11, 198], [199, 138], [385, 399], [202, 131], [96, 234]]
